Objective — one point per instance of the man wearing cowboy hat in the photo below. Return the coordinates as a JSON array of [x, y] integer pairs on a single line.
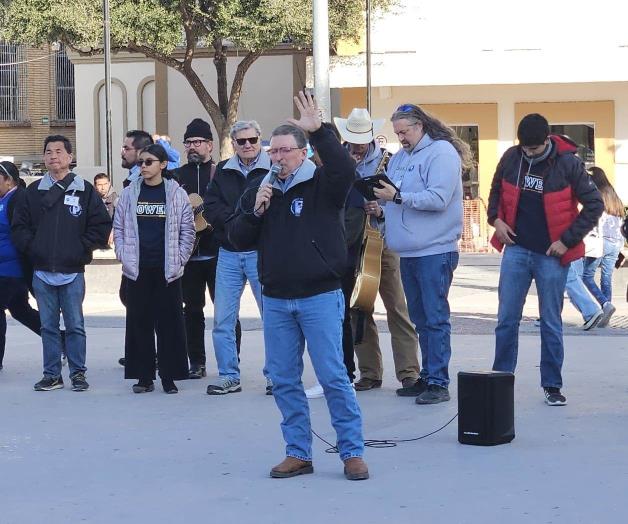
[[359, 131]]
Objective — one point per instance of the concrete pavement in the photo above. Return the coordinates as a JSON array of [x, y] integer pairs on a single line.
[[108, 455]]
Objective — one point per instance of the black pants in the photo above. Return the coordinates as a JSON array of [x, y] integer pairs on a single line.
[[198, 275], [154, 307], [14, 297]]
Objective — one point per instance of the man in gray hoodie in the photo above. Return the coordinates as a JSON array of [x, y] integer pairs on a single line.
[[358, 132], [423, 215]]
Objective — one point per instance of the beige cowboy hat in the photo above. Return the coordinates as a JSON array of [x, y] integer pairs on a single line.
[[358, 128]]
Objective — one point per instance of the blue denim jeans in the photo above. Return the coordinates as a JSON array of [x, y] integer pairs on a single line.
[[68, 301], [519, 266], [607, 264], [317, 320], [577, 291], [232, 272], [426, 282]]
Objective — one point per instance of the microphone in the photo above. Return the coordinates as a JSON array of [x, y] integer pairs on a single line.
[[274, 172]]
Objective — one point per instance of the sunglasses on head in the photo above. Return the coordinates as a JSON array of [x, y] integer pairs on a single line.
[[241, 141], [148, 161]]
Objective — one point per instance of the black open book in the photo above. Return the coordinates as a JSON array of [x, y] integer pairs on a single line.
[[365, 185]]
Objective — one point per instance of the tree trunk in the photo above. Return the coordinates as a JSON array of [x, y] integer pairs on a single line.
[[220, 63]]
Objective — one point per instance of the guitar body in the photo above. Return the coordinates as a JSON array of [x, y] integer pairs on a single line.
[[200, 224], [369, 271]]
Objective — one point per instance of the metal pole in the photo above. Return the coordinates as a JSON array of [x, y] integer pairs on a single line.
[[321, 56], [109, 140], [368, 55]]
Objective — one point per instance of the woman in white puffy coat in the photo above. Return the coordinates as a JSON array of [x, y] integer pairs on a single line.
[[154, 238]]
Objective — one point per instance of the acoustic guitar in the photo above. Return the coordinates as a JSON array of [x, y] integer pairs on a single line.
[[200, 224], [369, 269]]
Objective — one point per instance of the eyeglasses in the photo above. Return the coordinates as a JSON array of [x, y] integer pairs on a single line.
[[406, 108], [282, 150], [196, 143], [148, 161], [241, 141]]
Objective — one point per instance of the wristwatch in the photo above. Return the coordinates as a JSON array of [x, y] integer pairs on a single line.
[[397, 198]]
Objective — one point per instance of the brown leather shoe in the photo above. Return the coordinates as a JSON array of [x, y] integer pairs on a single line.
[[356, 469], [364, 384], [291, 467]]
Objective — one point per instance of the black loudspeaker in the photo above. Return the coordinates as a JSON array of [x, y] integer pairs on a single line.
[[486, 414]]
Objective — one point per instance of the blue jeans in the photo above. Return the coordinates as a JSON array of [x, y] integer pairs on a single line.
[[288, 324], [67, 300], [426, 282], [232, 272], [607, 263], [577, 291], [519, 266]]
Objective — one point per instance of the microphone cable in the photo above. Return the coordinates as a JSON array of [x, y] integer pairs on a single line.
[[385, 443]]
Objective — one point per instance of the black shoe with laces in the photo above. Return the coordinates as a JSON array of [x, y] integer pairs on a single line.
[[553, 397], [143, 386], [78, 382], [169, 386], [433, 395], [197, 371], [49, 383], [414, 390]]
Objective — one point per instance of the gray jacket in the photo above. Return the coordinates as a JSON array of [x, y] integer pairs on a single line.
[[180, 232]]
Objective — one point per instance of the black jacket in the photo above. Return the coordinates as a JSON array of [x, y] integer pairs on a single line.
[[195, 178], [225, 192], [60, 238], [301, 238]]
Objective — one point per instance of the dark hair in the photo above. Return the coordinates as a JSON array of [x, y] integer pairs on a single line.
[[58, 138], [533, 130], [296, 132], [8, 170], [100, 176], [436, 130], [141, 139], [160, 152], [612, 203]]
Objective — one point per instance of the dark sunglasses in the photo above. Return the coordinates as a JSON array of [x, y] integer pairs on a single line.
[[149, 162], [241, 141], [406, 108]]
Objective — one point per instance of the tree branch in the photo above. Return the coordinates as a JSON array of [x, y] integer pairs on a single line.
[[238, 81]]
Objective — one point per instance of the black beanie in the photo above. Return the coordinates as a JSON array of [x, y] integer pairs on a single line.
[[198, 127], [533, 130]]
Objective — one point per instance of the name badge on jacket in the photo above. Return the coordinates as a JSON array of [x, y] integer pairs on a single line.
[[71, 200]]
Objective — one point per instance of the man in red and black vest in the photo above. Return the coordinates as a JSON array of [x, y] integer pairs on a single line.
[[533, 206]]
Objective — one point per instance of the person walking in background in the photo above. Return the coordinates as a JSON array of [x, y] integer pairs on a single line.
[[154, 237], [609, 229], [13, 276]]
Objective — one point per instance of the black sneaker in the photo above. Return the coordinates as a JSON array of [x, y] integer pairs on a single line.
[[49, 383], [414, 390], [269, 387], [122, 361], [553, 397], [593, 320], [169, 386], [197, 371], [144, 386], [433, 395], [78, 382]]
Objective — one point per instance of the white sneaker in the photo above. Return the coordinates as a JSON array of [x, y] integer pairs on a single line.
[[607, 312], [316, 391]]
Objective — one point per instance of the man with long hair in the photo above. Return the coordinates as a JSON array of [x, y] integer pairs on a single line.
[[423, 215]]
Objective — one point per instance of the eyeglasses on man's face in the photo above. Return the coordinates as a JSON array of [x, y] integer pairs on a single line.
[[196, 143], [251, 140], [282, 150]]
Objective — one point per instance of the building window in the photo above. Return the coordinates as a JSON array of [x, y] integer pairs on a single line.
[[470, 181], [584, 137], [64, 87], [13, 107]]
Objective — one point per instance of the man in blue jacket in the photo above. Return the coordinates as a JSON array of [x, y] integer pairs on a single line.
[[423, 215], [296, 224]]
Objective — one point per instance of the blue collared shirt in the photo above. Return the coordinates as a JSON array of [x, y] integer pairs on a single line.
[[246, 169]]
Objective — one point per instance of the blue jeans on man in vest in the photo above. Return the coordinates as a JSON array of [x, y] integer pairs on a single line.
[[426, 282], [232, 271], [317, 320], [51, 302], [519, 266]]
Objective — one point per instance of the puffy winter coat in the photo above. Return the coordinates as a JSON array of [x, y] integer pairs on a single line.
[[179, 231]]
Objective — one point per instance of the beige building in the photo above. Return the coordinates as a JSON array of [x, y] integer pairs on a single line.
[[36, 100]]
